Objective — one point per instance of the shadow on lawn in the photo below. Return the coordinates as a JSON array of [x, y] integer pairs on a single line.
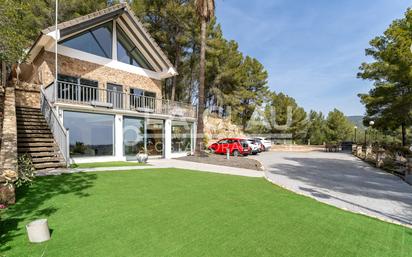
[[30, 199]]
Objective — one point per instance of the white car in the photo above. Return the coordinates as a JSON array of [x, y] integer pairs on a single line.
[[266, 142], [254, 146]]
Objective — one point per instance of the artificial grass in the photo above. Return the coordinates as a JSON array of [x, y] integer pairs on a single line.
[[169, 212], [106, 164]]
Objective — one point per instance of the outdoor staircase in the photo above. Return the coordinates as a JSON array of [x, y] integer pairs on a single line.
[[35, 138]]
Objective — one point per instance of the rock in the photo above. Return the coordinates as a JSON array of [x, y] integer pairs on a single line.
[[7, 194]]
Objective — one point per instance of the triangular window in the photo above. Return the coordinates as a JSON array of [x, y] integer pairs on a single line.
[[97, 40], [128, 53]]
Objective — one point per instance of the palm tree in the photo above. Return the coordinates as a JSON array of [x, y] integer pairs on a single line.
[[206, 10]]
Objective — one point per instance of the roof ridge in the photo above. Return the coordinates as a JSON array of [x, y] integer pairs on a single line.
[[84, 17], [123, 8], [151, 39]]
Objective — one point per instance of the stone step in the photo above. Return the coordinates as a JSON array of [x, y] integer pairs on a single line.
[[42, 135], [37, 149], [28, 113], [44, 154], [21, 108], [33, 131], [29, 116], [35, 144], [49, 165], [47, 159], [34, 139], [25, 127], [31, 120], [25, 113], [44, 124]]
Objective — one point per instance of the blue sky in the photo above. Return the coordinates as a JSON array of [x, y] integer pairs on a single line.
[[311, 49]]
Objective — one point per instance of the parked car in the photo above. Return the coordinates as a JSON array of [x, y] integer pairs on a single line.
[[255, 146], [236, 146], [267, 143]]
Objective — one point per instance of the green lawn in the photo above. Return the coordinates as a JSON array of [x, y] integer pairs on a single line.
[[106, 164], [173, 212]]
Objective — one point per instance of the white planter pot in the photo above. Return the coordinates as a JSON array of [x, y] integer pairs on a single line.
[[142, 157], [38, 231]]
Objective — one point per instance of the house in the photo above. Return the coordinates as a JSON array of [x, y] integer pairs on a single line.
[[106, 103]]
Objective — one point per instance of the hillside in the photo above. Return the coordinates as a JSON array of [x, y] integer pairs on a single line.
[[357, 120]]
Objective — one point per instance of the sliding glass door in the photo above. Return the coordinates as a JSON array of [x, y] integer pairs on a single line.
[[155, 137], [133, 136]]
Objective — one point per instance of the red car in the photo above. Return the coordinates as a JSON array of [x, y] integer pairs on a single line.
[[236, 146]]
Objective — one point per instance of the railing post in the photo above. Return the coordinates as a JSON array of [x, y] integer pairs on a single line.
[[67, 147], [55, 91]]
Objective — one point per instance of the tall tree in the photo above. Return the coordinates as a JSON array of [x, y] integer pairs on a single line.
[[169, 22], [253, 90], [205, 10], [389, 102], [22, 20], [15, 36], [338, 127], [285, 116], [316, 133]]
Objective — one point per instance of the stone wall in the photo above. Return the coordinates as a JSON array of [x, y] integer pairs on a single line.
[[44, 69], [216, 128], [28, 95], [8, 150]]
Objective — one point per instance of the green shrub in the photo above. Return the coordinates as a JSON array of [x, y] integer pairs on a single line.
[[25, 171]]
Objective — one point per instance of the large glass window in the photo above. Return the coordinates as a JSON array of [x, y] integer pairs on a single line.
[[181, 137], [97, 40], [128, 53], [133, 136], [154, 138], [90, 134]]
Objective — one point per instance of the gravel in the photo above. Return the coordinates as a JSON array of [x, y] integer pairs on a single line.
[[216, 159]]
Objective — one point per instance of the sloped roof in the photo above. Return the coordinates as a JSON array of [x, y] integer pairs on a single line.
[[111, 12]]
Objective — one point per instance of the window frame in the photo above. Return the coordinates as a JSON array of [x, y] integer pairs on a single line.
[[64, 111], [129, 52], [89, 30]]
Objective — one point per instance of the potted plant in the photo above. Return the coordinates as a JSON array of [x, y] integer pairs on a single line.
[[142, 156]]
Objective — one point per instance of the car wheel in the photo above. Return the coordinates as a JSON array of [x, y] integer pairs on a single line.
[[236, 153], [254, 153]]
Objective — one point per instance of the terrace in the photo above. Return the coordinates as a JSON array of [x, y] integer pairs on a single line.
[[91, 95]]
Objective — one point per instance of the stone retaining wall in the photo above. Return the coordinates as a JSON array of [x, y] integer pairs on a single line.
[[8, 150], [28, 95]]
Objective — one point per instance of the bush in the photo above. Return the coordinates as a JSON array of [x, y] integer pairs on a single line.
[[404, 151], [25, 171]]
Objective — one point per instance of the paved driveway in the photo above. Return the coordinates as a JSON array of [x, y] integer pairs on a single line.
[[341, 180]]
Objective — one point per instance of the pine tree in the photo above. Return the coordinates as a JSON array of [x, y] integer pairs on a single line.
[[316, 132], [285, 116], [338, 127], [389, 103]]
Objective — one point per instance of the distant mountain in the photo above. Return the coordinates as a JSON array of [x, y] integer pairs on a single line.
[[357, 120]]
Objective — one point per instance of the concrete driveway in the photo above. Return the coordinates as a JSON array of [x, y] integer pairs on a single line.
[[341, 180]]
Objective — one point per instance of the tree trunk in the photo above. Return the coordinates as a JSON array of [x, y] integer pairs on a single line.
[[174, 81], [403, 134], [3, 74], [201, 108]]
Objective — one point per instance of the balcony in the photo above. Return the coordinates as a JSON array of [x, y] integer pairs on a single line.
[[73, 93]]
